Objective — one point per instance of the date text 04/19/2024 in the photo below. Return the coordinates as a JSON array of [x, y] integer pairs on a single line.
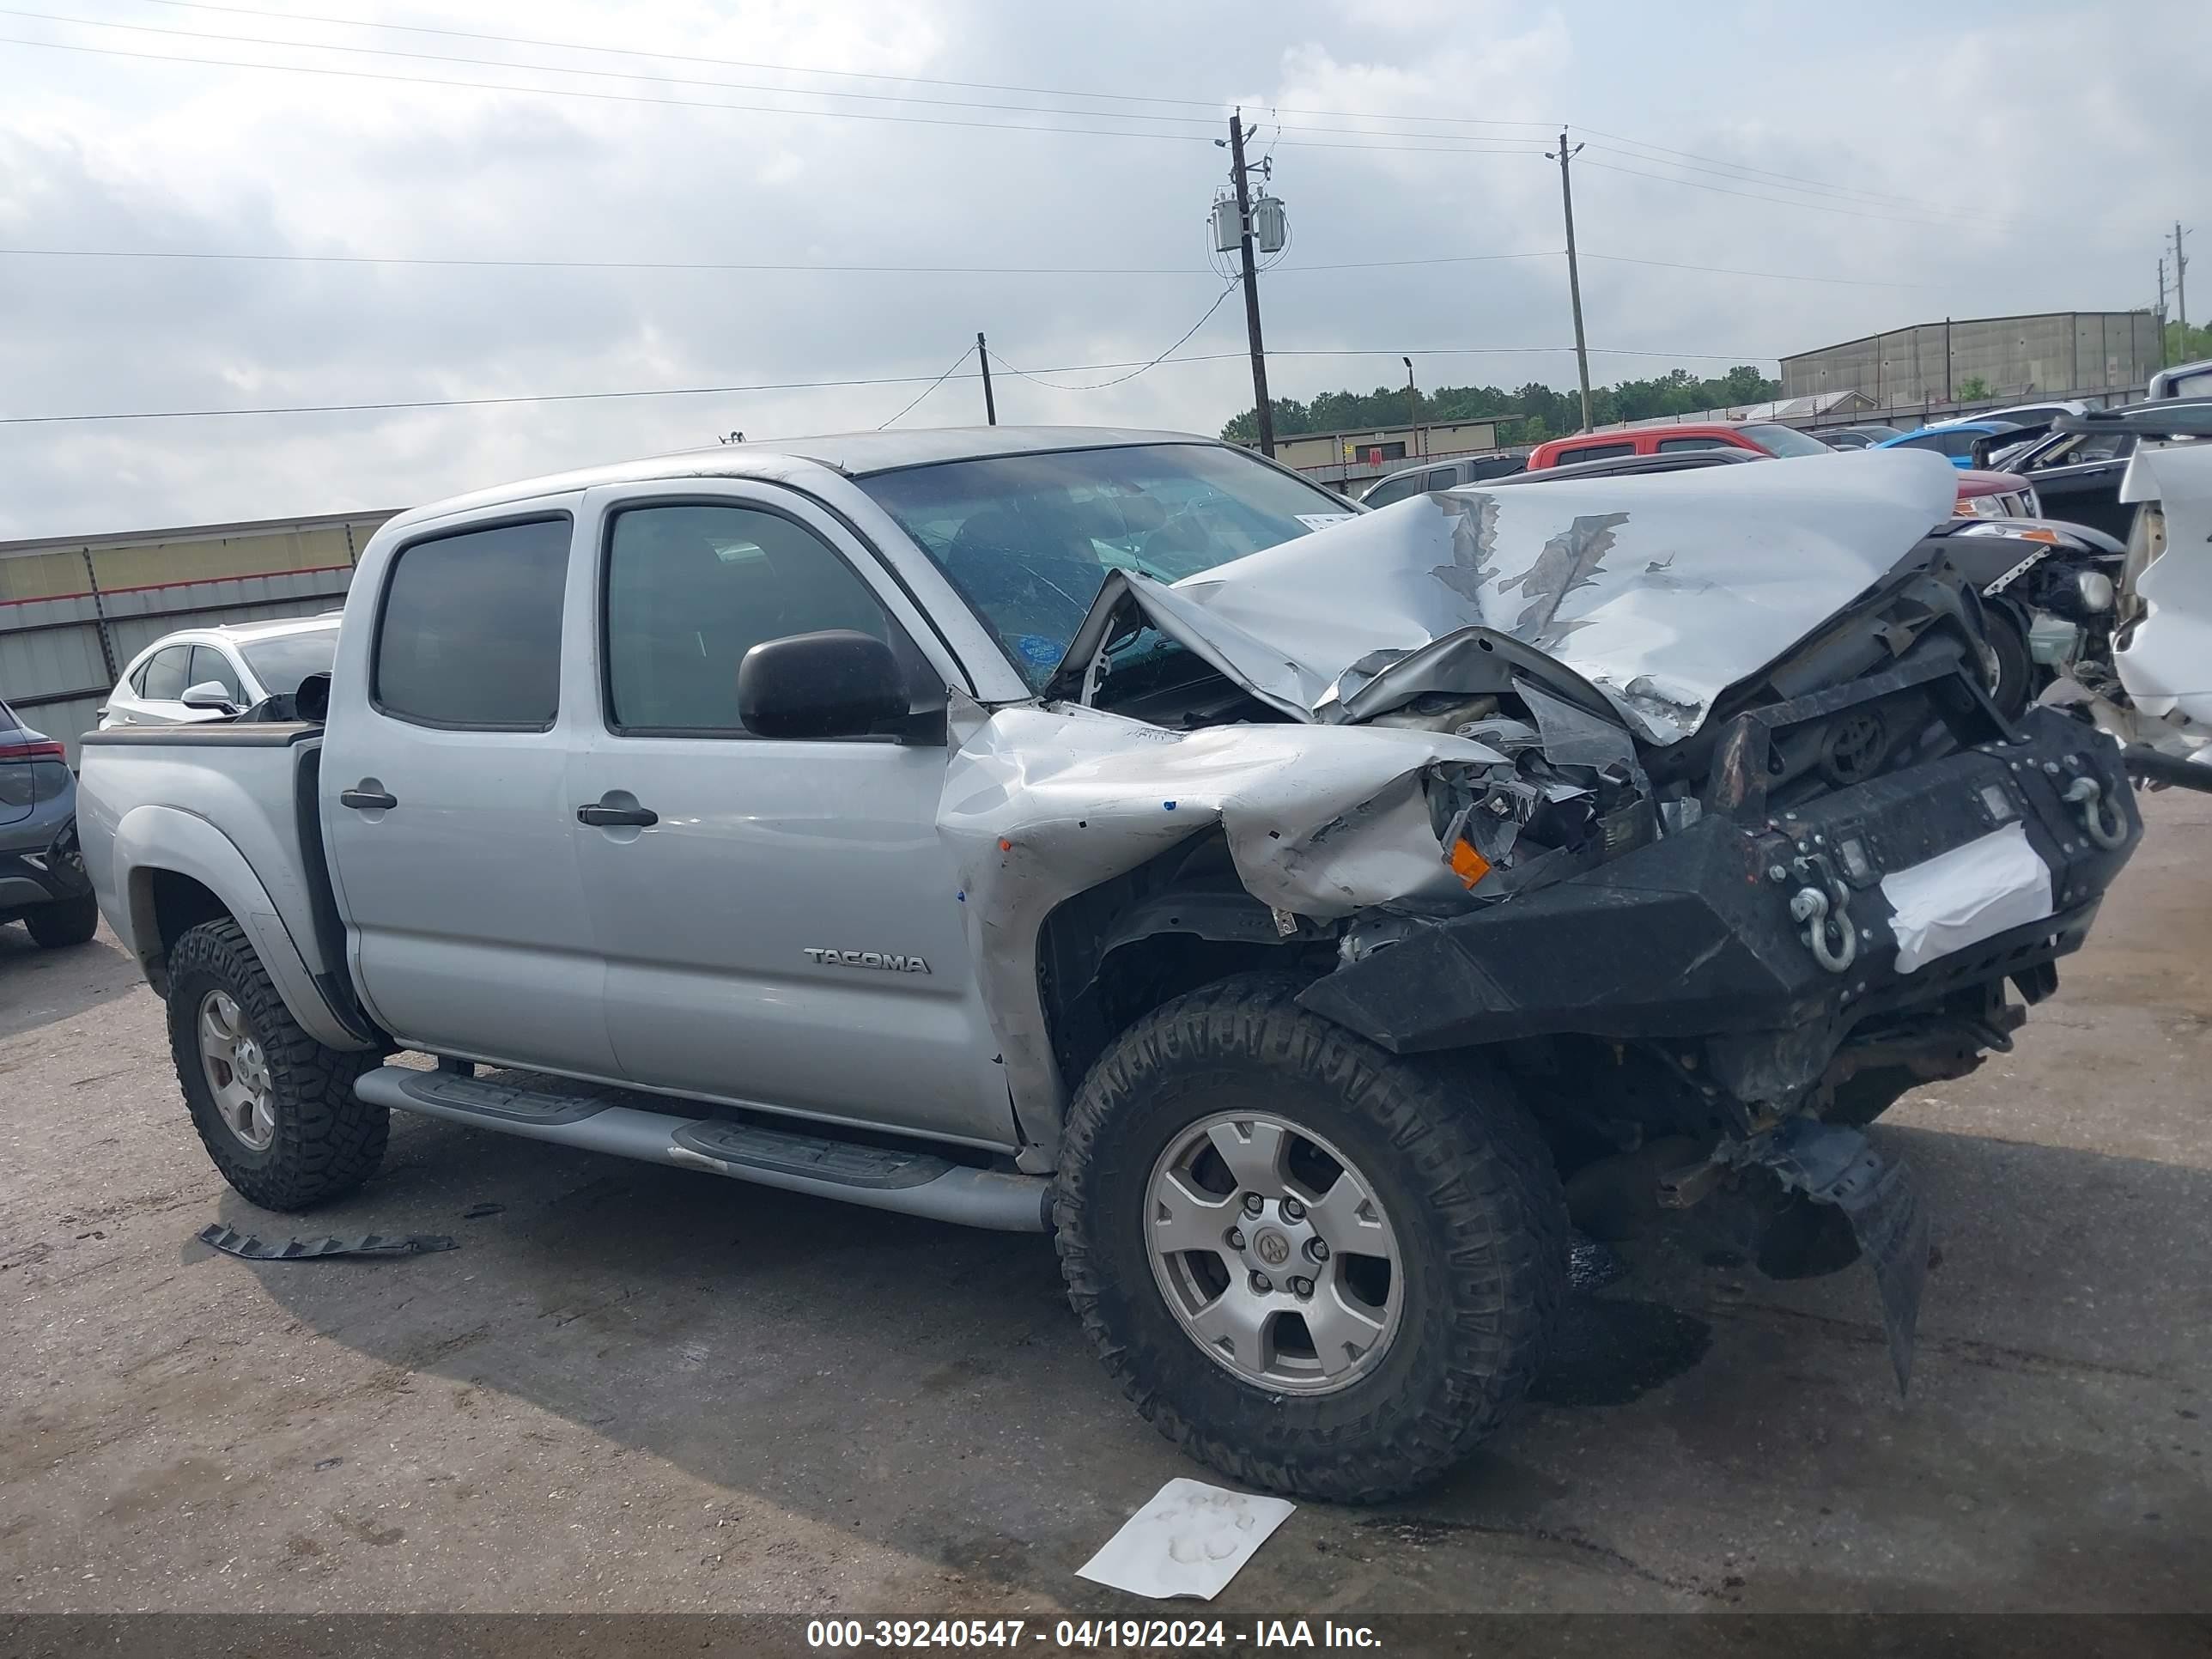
[[1084, 1634]]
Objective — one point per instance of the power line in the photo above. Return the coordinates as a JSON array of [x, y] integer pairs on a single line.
[[448, 82], [964, 355], [1820, 192], [1211, 104], [1951, 211], [1228, 288], [602, 74], [1779, 201], [602, 264], [1791, 178], [597, 97], [469, 262], [401, 406], [1771, 276]]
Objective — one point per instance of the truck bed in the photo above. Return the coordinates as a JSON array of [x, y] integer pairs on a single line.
[[206, 804]]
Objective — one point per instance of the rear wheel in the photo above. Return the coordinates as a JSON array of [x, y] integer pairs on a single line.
[[275, 1109], [65, 921], [1319, 1267]]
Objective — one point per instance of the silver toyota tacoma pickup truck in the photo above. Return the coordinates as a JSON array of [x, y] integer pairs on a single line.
[[1308, 916]]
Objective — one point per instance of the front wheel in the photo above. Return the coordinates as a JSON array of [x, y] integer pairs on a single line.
[[275, 1109], [1320, 1268]]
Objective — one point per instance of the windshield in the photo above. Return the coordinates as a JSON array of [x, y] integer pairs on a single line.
[[1784, 440], [282, 663], [1027, 538]]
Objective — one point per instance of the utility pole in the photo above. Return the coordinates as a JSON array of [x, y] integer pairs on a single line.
[[1412, 406], [1574, 273], [1264, 409], [2161, 311], [983, 356], [2181, 285]]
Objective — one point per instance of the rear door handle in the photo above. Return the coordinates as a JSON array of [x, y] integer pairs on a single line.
[[363, 799], [639, 818]]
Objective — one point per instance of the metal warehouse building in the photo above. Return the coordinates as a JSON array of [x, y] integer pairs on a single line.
[[2049, 355], [75, 610]]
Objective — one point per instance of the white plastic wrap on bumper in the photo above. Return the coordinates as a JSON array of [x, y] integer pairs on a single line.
[[1968, 894]]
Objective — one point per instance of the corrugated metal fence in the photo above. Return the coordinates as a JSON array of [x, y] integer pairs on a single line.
[[74, 611]]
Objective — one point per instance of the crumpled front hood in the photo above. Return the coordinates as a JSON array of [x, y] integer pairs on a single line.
[[1659, 591]]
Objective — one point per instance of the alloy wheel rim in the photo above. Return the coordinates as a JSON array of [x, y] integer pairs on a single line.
[[1273, 1253], [237, 1071]]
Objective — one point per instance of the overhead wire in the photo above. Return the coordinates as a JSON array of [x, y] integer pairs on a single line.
[[796, 69], [401, 405], [451, 83], [1227, 289], [932, 387]]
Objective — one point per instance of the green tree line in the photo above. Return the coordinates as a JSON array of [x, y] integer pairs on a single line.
[[1530, 414], [2193, 346]]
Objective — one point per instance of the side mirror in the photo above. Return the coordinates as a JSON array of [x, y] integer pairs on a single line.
[[839, 683], [1980, 453], [211, 695]]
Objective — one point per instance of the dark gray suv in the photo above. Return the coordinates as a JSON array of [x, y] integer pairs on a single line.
[[42, 879]]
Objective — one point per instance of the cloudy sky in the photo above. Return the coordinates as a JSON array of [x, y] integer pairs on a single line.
[[1923, 160]]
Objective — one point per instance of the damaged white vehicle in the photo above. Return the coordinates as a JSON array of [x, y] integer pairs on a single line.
[[1302, 915], [2155, 693]]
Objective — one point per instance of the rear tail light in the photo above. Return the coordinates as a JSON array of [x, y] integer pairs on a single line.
[[43, 749]]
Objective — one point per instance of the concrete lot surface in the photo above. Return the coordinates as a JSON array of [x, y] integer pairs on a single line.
[[633, 1388]]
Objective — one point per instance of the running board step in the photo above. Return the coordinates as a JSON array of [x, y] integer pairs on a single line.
[[910, 1182]]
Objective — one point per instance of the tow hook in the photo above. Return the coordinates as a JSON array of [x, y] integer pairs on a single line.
[[2089, 795], [1821, 907]]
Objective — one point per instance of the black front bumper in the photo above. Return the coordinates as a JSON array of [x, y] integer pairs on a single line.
[[1691, 940]]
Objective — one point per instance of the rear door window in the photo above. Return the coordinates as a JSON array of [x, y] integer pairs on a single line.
[[1670, 445], [470, 636], [1443, 478], [1595, 452], [165, 680]]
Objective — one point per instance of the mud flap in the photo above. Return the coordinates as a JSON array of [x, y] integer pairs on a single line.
[[1833, 1165], [249, 1247]]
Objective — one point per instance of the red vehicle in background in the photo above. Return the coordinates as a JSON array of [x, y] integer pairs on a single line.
[[1760, 437], [1981, 495]]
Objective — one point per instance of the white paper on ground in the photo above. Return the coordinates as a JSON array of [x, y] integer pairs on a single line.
[[1189, 1540], [1968, 894]]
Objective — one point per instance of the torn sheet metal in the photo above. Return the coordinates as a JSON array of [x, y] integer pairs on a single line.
[[249, 1247], [1190, 1539], [1659, 591], [1041, 803], [1993, 883]]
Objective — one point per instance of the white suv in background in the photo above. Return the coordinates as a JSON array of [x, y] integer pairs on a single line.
[[221, 670]]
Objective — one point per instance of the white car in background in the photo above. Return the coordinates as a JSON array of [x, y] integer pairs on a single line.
[[206, 673]]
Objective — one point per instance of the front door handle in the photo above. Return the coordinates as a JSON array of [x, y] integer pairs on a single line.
[[365, 800], [606, 817]]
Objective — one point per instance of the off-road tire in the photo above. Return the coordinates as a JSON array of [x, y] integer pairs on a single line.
[[65, 922], [327, 1141], [1453, 1159]]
